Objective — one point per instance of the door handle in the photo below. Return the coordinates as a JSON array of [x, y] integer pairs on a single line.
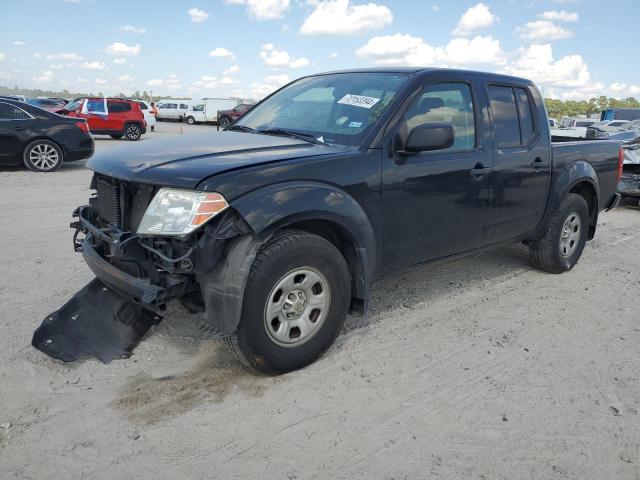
[[479, 171], [538, 164]]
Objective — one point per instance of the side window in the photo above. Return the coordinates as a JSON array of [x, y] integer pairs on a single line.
[[449, 103], [525, 115], [9, 112], [184, 106], [116, 107], [505, 116], [143, 106], [96, 106], [198, 108]]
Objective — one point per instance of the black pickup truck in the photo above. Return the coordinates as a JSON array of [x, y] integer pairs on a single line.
[[273, 230]]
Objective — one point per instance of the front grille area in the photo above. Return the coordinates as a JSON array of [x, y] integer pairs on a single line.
[[108, 195], [121, 204]]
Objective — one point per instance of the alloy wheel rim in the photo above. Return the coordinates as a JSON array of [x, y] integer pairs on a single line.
[[133, 131], [44, 156], [570, 235], [297, 306]]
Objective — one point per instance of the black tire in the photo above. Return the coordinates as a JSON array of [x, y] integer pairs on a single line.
[[117, 136], [287, 252], [132, 132], [224, 121], [191, 120], [43, 156], [548, 253]]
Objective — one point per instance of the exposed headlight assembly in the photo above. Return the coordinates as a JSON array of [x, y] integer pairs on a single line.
[[174, 212]]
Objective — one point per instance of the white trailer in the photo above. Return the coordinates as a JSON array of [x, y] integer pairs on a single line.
[[206, 110]]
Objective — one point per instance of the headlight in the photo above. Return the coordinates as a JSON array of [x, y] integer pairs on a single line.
[[180, 212]]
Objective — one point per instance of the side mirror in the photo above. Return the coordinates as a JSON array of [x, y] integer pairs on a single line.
[[428, 137]]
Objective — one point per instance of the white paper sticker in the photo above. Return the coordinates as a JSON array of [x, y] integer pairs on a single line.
[[358, 100], [355, 124]]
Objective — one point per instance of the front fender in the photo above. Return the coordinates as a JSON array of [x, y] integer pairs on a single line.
[[271, 208], [563, 179]]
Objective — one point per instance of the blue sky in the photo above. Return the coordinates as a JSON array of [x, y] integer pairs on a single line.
[[570, 48]]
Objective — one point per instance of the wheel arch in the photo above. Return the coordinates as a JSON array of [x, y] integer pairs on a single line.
[[576, 177]]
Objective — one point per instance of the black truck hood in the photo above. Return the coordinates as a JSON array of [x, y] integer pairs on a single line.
[[183, 161]]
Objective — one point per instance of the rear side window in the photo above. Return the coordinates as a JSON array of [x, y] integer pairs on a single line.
[[449, 103], [9, 112], [143, 106], [505, 116], [118, 107], [525, 115]]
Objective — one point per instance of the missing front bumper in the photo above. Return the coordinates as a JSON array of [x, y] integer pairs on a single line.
[[96, 322]]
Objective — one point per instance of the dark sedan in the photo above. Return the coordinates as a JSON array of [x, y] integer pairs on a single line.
[[41, 140]]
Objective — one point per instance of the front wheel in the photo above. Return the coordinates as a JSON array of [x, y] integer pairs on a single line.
[[560, 249], [295, 303], [132, 132], [191, 120], [224, 122], [43, 156]]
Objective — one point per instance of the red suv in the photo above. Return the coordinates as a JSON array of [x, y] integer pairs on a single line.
[[109, 116], [225, 117]]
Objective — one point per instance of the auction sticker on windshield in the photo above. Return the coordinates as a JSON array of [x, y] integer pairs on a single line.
[[358, 100]]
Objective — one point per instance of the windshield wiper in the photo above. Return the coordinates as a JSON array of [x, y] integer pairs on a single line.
[[306, 137], [241, 128]]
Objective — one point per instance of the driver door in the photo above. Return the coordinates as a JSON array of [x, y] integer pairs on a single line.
[[436, 203]]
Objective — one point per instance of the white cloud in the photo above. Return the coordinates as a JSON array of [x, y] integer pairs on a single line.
[[2, 56], [125, 78], [46, 77], [435, 8], [274, 58], [197, 16], [93, 65], [221, 52], [339, 17], [560, 16], [263, 9], [475, 18], [403, 49], [333, 55], [268, 85], [544, 30], [119, 48], [536, 62], [19, 43], [624, 90], [170, 83], [69, 56], [206, 81], [132, 29], [231, 70], [226, 80], [101, 81], [119, 61]]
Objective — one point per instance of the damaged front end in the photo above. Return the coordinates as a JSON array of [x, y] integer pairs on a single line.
[[137, 275]]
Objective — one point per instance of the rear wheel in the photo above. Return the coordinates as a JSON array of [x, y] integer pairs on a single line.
[[132, 132], [43, 156], [295, 303], [560, 249], [224, 121]]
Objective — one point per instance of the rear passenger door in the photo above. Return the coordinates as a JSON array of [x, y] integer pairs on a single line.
[[118, 115], [521, 161]]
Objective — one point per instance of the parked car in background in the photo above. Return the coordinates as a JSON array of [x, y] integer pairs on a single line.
[[41, 140], [226, 117], [172, 109], [51, 105], [620, 114], [149, 117], [553, 123], [207, 109], [273, 230], [610, 125], [17, 98], [115, 117]]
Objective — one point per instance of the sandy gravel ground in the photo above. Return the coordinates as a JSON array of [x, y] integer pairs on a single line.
[[480, 368]]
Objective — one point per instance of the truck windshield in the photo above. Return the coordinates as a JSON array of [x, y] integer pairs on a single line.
[[338, 108]]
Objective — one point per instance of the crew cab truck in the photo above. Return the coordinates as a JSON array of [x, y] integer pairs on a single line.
[[273, 230]]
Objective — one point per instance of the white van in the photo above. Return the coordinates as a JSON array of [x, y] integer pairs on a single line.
[[206, 110], [169, 109], [149, 117]]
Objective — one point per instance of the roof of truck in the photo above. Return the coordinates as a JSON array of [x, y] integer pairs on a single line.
[[427, 70]]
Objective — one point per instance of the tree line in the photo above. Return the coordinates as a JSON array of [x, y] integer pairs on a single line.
[[574, 108]]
